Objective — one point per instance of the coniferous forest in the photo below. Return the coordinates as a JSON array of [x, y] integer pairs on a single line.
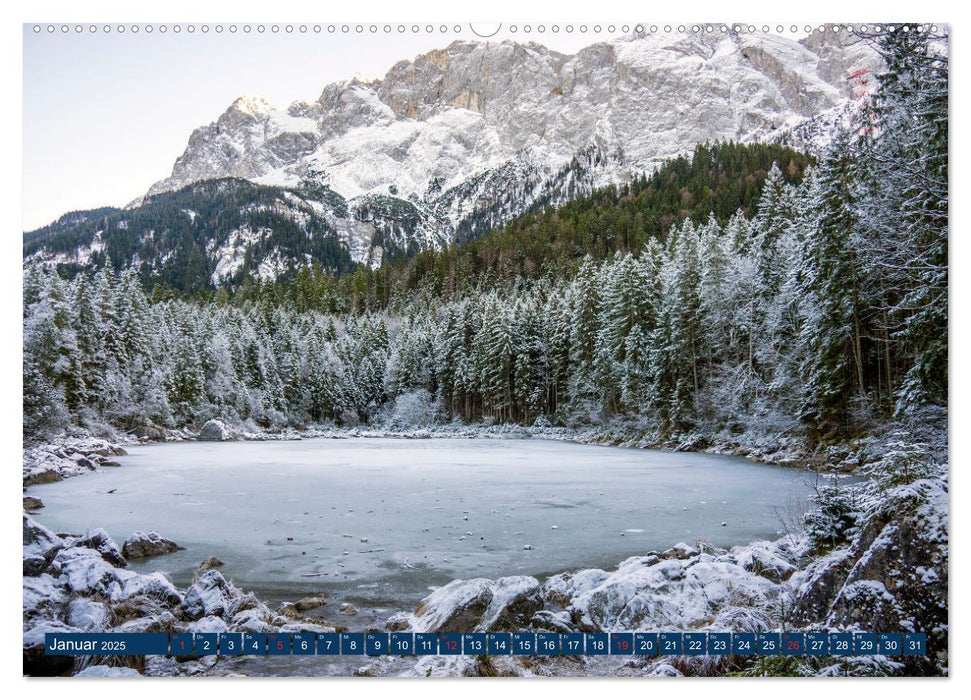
[[810, 300]]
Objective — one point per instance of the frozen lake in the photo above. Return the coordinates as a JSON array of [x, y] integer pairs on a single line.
[[380, 520]]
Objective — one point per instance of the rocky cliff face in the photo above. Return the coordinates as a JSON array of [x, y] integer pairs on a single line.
[[453, 130]]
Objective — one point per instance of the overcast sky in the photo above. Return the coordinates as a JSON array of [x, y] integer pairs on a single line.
[[106, 115]]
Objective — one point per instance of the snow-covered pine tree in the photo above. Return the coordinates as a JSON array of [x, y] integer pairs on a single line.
[[684, 311], [833, 366], [906, 213]]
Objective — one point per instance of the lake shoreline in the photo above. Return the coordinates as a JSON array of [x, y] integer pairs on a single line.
[[803, 580], [78, 452]]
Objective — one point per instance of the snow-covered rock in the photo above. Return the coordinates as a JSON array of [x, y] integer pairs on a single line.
[[559, 621], [31, 503], [40, 546], [210, 563], [647, 593], [456, 606], [514, 600], [562, 588], [255, 619], [679, 551], [67, 457], [764, 559], [210, 624], [36, 662], [88, 615], [479, 604], [42, 597], [215, 430], [83, 571], [151, 544], [211, 594], [310, 602], [102, 671], [154, 585], [900, 575], [100, 541]]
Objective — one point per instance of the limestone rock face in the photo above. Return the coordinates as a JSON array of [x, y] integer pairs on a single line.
[[653, 95]]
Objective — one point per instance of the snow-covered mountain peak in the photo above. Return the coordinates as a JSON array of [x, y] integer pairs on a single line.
[[249, 104], [449, 131]]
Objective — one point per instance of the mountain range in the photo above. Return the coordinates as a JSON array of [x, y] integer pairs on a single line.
[[454, 143]]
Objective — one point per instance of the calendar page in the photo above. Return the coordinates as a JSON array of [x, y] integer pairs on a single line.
[[437, 349]]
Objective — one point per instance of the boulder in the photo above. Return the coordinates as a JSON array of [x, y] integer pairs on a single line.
[[149, 431], [84, 572], [209, 624], [152, 544], [645, 592], [764, 559], [154, 586], [679, 551], [141, 614], [31, 503], [210, 564], [256, 619], [215, 430], [42, 598], [40, 546], [399, 622], [210, 595], [863, 603], [88, 615], [480, 604], [562, 588], [310, 602], [43, 476], [36, 662], [559, 621], [816, 587], [515, 599], [455, 607], [901, 577], [99, 541]]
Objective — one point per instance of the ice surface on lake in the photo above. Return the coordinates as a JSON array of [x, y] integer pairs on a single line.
[[336, 514]]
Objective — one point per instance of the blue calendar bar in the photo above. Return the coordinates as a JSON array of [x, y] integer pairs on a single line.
[[188, 644]]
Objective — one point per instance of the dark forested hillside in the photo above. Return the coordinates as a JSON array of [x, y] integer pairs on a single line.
[[717, 180], [232, 233], [178, 239]]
